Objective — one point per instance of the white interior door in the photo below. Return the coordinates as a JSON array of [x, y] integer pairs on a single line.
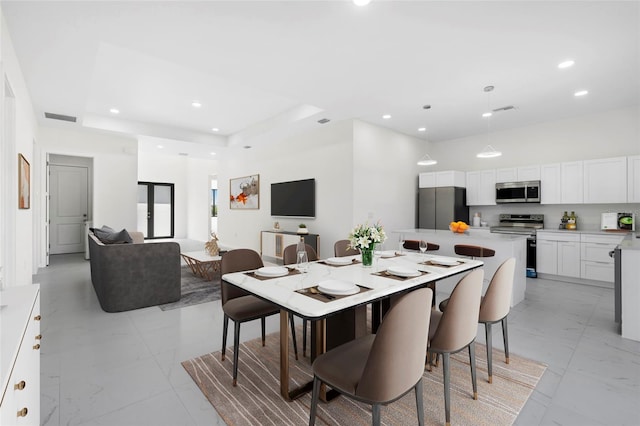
[[68, 208]]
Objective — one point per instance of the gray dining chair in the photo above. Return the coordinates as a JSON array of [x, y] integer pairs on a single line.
[[240, 306], [380, 368], [341, 248], [289, 257], [495, 306], [455, 329]]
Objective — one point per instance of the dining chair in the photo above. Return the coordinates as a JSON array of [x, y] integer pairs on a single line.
[[341, 248], [455, 329], [378, 369], [495, 306], [415, 245], [240, 306], [289, 256]]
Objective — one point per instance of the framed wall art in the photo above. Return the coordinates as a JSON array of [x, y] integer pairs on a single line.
[[244, 193], [24, 183]]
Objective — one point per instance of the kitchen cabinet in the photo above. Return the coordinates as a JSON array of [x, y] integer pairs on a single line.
[[633, 179], [20, 357], [558, 253], [550, 184], [273, 243], [481, 188], [442, 179], [572, 186], [518, 174], [596, 264], [605, 180]]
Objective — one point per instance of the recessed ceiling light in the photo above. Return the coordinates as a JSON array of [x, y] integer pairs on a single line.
[[212, 153], [422, 129], [581, 93], [361, 2], [487, 114], [114, 111], [160, 146], [566, 64], [196, 104], [215, 129], [386, 116]]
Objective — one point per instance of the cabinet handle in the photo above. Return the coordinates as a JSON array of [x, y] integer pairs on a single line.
[[19, 386], [37, 317], [36, 346], [23, 412], [39, 337]]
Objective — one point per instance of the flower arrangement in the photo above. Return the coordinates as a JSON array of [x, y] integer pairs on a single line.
[[365, 237]]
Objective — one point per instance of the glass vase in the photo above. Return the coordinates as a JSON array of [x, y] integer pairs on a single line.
[[367, 256]]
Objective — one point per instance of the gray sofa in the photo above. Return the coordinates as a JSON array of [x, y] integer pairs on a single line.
[[134, 275]]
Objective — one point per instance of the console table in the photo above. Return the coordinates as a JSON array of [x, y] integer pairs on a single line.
[[273, 243]]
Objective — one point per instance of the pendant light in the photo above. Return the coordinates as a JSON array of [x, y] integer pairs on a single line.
[[489, 151], [426, 160]]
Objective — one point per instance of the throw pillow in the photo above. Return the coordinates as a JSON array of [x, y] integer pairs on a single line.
[[112, 237]]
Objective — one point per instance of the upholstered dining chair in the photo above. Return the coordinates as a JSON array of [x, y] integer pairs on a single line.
[[380, 368], [341, 248], [240, 306], [415, 245], [495, 306], [289, 256], [455, 329]]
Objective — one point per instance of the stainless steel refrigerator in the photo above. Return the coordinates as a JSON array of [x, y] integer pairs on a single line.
[[437, 207]]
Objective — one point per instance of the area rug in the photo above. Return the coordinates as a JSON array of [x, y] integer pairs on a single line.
[[194, 290], [257, 401]]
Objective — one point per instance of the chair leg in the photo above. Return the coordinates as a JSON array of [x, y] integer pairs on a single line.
[[314, 401], [447, 384], [263, 323], [488, 334], [225, 327], [505, 337], [419, 402], [375, 415], [304, 337], [293, 335], [236, 350], [472, 362]]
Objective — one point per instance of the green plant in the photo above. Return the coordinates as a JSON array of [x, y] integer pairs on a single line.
[[302, 225]]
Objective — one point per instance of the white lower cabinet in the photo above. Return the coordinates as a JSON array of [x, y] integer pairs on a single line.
[[596, 264], [558, 253], [20, 319]]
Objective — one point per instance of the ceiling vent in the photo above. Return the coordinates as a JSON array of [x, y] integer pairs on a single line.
[[504, 108], [324, 121], [60, 117], [184, 154]]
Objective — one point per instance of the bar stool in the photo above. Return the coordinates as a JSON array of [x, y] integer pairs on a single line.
[[473, 251], [415, 245]]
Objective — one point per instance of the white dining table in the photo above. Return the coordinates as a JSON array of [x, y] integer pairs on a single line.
[[290, 293]]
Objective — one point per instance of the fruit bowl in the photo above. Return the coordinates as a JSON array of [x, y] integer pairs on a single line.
[[458, 227]]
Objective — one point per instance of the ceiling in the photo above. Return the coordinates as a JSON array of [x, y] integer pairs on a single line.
[[260, 68]]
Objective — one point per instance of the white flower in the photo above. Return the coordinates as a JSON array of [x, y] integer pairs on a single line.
[[365, 236]]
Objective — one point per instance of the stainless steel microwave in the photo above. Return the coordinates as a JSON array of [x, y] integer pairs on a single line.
[[518, 192]]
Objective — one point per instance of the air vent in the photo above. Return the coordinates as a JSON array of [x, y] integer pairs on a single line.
[[60, 117], [504, 108], [324, 121], [184, 154]]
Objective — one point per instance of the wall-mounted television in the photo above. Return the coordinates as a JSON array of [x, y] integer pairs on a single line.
[[294, 199]]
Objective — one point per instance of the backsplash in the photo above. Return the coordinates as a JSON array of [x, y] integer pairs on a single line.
[[588, 214]]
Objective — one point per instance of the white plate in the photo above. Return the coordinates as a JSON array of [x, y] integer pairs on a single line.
[[337, 287], [388, 253], [402, 271], [445, 262], [272, 271], [339, 260]]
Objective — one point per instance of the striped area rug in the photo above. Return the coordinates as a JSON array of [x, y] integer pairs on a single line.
[[257, 401]]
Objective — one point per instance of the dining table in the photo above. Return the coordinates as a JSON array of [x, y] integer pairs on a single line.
[[333, 294]]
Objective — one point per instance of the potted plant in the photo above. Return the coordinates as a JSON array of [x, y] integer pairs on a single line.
[[302, 229]]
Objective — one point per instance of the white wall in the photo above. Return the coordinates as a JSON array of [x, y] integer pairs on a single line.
[[199, 173]]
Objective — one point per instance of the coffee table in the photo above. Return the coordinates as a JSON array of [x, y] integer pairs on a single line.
[[202, 264]]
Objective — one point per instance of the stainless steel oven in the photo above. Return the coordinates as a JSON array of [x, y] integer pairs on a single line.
[[522, 224]]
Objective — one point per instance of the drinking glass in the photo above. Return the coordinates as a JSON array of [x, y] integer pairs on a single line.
[[302, 262], [377, 254], [401, 244], [423, 246]]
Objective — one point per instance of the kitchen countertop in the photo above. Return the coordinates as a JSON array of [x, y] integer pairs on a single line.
[[586, 231], [631, 242], [471, 232]]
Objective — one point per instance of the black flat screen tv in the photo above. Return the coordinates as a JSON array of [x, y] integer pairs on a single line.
[[294, 198]]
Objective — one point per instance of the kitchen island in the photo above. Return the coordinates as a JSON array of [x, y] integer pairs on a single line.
[[505, 246], [630, 286]]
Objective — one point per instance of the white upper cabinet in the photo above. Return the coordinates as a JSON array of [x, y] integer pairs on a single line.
[[633, 179], [605, 180], [550, 184], [440, 179], [571, 178], [509, 174], [481, 188], [529, 173], [516, 174]]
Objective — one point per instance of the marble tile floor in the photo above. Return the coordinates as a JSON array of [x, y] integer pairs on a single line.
[[124, 368]]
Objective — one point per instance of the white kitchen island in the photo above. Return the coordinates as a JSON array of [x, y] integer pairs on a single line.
[[505, 246], [630, 286]]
